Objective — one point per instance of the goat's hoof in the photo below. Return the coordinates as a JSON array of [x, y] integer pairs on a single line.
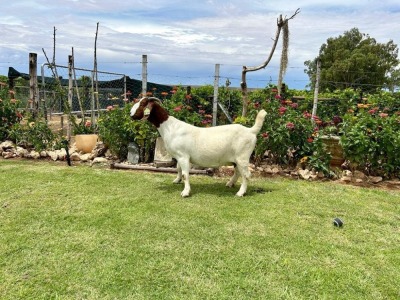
[[230, 184], [177, 180], [185, 194], [239, 194]]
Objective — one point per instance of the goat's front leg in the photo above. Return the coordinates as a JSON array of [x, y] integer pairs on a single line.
[[185, 167], [178, 178]]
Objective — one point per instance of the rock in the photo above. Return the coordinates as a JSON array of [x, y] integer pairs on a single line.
[[6, 145], [85, 157], [347, 173], [268, 170], [43, 154], [34, 154], [346, 179], [359, 175], [99, 150], [305, 174], [275, 170], [8, 154], [53, 155], [99, 160], [358, 180], [375, 179], [21, 152], [75, 156], [61, 154]]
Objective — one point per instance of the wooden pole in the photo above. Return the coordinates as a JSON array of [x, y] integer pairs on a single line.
[[144, 75], [316, 88], [33, 85], [70, 92], [215, 98]]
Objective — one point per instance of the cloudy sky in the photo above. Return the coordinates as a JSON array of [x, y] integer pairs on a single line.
[[185, 39]]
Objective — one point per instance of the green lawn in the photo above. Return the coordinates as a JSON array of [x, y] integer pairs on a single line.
[[96, 233]]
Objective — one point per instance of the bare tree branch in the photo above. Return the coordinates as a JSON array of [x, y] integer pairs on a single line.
[[280, 23]]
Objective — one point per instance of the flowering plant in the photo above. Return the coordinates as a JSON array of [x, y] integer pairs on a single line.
[[83, 126]]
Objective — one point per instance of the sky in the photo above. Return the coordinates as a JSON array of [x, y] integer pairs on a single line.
[[183, 39]]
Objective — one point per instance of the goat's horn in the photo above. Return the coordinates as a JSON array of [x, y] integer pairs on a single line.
[[154, 99]]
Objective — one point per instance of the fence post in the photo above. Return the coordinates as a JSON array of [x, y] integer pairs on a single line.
[[33, 84], [215, 99], [70, 87], [144, 75], [315, 104]]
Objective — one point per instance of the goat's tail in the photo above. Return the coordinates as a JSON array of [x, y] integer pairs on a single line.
[[259, 121]]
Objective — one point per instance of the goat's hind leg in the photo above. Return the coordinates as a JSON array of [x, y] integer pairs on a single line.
[[234, 178], [178, 178], [244, 171]]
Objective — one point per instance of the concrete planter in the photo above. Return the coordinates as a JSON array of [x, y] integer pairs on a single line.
[[332, 146]]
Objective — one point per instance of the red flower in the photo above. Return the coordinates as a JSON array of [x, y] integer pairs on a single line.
[[310, 140], [88, 124], [178, 108], [294, 105], [307, 115], [265, 135], [282, 110], [290, 125], [372, 111], [257, 105]]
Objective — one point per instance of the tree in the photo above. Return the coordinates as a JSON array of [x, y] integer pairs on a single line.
[[356, 60]]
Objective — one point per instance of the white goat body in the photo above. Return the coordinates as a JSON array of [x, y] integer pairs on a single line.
[[206, 147]]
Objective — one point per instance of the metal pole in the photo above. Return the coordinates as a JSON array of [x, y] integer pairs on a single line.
[[215, 99], [144, 75]]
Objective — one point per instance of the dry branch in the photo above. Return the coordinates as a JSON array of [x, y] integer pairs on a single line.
[[281, 22]]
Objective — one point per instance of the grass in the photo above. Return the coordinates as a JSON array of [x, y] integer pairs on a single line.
[[95, 233]]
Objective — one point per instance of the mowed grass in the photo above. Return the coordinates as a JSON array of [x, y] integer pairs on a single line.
[[96, 233]]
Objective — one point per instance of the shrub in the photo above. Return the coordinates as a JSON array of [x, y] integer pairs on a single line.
[[9, 116], [36, 134], [371, 141], [117, 130]]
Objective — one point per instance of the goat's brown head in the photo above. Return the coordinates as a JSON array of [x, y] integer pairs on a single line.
[[143, 109], [140, 109]]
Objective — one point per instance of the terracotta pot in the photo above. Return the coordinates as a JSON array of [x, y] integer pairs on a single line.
[[85, 142]]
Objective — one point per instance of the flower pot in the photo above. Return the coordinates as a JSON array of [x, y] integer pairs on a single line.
[[85, 142], [333, 147]]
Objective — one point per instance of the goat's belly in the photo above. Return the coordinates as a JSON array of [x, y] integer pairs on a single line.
[[210, 161]]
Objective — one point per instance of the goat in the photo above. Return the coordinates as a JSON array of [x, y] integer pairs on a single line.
[[207, 147]]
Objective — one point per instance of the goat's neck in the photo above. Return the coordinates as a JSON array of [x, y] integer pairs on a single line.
[[158, 115]]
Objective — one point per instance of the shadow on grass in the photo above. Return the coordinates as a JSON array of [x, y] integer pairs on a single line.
[[216, 189]]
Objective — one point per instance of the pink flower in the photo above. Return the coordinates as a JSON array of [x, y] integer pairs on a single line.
[[178, 108], [282, 110], [383, 115], [201, 111], [310, 140], [88, 124], [110, 107], [290, 126], [372, 111], [294, 105], [307, 115]]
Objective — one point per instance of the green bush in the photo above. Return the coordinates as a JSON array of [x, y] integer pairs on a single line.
[[9, 115], [35, 134], [117, 130], [371, 141]]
